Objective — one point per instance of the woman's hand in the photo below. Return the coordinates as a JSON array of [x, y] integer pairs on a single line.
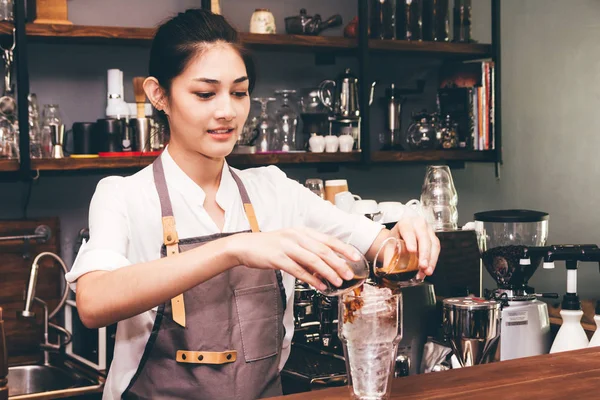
[[419, 238], [301, 252]]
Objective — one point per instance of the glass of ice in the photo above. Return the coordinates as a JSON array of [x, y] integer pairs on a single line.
[[370, 328]]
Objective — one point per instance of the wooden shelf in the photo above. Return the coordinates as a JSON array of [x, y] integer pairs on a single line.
[[123, 35], [112, 35], [236, 160], [9, 165], [434, 155], [466, 50]]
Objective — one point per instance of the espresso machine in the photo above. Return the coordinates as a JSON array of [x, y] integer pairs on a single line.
[[502, 237]]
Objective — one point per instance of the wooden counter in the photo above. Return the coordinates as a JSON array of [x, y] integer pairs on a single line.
[[570, 375]]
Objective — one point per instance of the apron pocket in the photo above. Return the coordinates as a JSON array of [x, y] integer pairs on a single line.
[[258, 315]]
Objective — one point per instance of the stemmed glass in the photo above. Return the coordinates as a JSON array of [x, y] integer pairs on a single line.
[[267, 129], [287, 121]]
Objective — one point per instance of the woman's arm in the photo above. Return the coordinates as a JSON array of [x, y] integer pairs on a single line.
[[105, 297]]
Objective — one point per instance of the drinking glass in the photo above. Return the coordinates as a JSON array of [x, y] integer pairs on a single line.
[[9, 140], [6, 10], [439, 198], [395, 267], [370, 328], [287, 121], [361, 271], [36, 149], [267, 130], [316, 186]]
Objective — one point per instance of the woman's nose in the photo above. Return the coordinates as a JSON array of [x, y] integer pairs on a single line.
[[225, 109]]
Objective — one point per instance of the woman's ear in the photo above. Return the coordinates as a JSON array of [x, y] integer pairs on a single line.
[[155, 94]]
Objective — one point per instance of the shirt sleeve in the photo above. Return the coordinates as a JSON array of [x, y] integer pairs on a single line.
[[316, 213], [109, 232]]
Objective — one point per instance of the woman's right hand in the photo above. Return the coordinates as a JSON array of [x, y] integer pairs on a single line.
[[301, 252]]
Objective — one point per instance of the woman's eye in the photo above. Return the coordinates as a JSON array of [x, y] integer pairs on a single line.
[[240, 94], [205, 95]]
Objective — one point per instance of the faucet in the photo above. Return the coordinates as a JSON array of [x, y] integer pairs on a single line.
[[30, 298]]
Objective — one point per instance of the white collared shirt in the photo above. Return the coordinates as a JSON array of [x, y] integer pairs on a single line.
[[125, 228]]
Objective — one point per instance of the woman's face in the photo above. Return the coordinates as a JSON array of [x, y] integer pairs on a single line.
[[209, 103]]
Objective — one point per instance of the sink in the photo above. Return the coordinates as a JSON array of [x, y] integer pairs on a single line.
[[30, 379]]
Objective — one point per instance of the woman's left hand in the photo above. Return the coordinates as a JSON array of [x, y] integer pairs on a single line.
[[420, 239]]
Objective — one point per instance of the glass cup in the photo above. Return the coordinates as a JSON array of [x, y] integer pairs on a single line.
[[361, 273], [370, 328], [395, 266], [316, 186], [9, 140]]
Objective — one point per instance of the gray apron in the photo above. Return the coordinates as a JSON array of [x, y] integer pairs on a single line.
[[219, 340]]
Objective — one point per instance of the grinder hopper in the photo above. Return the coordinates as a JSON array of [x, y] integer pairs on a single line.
[[502, 236]]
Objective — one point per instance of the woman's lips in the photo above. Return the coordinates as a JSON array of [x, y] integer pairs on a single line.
[[221, 134]]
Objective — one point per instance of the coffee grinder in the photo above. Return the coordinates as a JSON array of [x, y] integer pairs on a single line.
[[502, 238]]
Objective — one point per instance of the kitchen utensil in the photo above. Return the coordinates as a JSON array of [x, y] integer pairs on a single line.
[[334, 186], [286, 118], [315, 186], [370, 328], [140, 95], [439, 198], [472, 326], [344, 104], [140, 128], [110, 133], [346, 143], [360, 268], [395, 266], [422, 133], [304, 24], [266, 126], [316, 143], [57, 133], [83, 138], [262, 21], [391, 138], [345, 201]]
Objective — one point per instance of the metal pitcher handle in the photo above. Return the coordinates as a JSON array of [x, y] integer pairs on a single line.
[[326, 100]]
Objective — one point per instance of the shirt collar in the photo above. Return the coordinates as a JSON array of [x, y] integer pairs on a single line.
[[181, 182]]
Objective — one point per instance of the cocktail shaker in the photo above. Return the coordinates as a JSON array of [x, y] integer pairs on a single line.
[[57, 134]]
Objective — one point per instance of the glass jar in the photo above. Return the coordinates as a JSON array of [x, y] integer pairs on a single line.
[[383, 19], [421, 134]]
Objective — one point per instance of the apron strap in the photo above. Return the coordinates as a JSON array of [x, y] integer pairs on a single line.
[[170, 237], [248, 208]]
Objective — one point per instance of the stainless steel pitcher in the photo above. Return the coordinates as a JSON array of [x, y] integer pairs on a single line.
[[344, 103]]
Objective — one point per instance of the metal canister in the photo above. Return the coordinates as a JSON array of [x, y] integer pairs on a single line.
[[472, 325]]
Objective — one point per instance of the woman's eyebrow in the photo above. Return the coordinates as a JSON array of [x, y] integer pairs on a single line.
[[216, 81]]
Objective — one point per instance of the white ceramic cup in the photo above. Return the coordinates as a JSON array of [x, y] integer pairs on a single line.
[[391, 211], [331, 144], [363, 207], [346, 143], [316, 144], [345, 201]]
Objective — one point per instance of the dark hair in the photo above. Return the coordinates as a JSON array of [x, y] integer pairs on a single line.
[[182, 37]]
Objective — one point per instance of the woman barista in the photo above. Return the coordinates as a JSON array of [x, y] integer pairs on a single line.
[[197, 261]]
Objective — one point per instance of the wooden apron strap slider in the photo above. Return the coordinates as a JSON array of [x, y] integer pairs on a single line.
[[171, 240], [251, 217], [206, 357]]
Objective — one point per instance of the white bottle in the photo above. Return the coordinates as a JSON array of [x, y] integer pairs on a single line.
[[596, 338], [571, 335]]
